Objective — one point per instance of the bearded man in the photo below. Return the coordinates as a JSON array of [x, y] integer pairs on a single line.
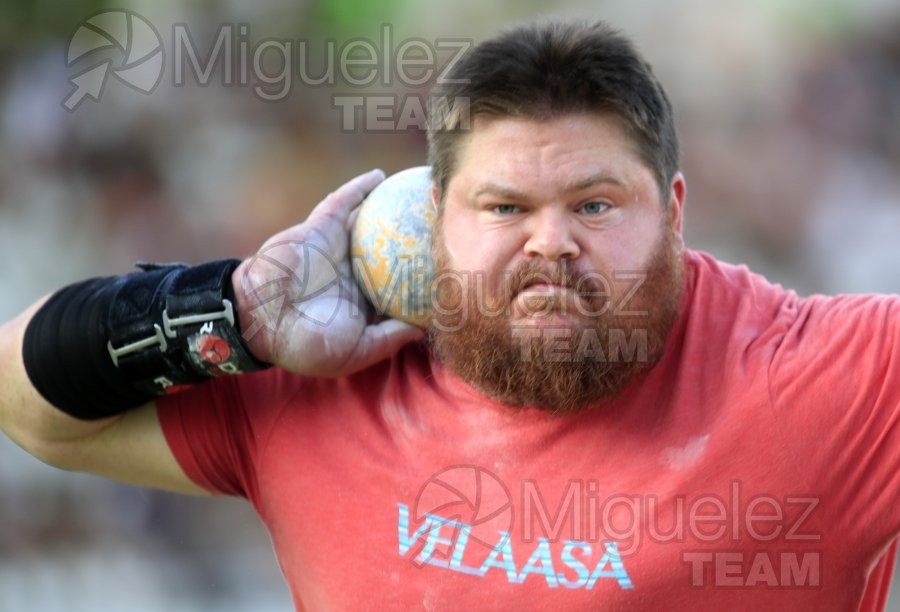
[[597, 417]]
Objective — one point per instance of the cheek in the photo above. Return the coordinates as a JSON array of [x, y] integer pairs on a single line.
[[630, 249], [476, 265], [465, 244]]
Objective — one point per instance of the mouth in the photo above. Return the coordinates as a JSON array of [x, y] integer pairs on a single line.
[[542, 286], [553, 294], [543, 300]]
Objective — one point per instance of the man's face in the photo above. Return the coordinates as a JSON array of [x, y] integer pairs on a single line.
[[558, 267]]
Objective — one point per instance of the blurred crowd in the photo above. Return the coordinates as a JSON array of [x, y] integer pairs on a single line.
[[788, 114]]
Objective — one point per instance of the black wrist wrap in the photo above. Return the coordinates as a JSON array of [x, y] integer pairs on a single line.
[[106, 345]]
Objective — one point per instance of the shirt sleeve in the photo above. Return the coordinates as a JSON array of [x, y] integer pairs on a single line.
[[835, 385], [218, 430]]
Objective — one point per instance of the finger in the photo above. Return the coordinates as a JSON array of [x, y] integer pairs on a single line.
[[339, 203], [351, 220], [382, 341]]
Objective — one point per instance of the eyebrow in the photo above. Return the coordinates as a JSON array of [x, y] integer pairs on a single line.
[[510, 193]]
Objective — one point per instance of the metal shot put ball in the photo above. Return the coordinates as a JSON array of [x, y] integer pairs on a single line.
[[390, 246]]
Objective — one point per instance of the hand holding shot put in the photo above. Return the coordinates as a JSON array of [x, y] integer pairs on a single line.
[[300, 306]]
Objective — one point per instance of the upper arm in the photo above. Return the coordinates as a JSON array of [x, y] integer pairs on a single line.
[[130, 447], [835, 390], [133, 449]]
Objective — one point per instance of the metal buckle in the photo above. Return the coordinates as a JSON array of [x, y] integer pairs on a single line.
[[157, 339], [226, 313]]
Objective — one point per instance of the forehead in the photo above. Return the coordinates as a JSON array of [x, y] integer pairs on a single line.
[[565, 149]]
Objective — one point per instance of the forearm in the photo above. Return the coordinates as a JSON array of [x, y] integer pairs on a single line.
[[25, 416], [101, 347], [83, 368]]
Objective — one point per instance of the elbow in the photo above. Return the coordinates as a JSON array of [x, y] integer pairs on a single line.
[[56, 439]]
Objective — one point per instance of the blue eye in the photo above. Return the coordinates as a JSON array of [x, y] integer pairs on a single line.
[[506, 209], [594, 208]]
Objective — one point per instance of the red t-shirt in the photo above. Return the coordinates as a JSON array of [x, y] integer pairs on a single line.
[[755, 467]]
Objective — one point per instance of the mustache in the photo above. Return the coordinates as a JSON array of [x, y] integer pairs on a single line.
[[563, 273]]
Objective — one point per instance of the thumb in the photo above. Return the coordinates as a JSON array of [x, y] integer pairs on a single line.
[[381, 341]]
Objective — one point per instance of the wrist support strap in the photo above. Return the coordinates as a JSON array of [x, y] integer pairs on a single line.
[[106, 345]]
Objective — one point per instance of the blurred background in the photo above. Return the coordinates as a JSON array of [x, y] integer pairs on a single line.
[[788, 113]]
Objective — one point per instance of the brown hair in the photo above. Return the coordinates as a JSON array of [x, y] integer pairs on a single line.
[[547, 69]]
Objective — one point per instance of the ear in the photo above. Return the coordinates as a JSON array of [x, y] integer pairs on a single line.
[[435, 196], [677, 194]]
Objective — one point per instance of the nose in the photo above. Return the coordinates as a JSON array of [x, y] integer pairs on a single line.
[[551, 237]]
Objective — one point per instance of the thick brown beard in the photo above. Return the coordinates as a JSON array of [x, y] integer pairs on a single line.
[[582, 364]]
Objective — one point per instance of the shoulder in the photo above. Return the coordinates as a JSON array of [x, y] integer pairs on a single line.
[[278, 388], [728, 300], [711, 277], [410, 366], [254, 404], [728, 297]]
